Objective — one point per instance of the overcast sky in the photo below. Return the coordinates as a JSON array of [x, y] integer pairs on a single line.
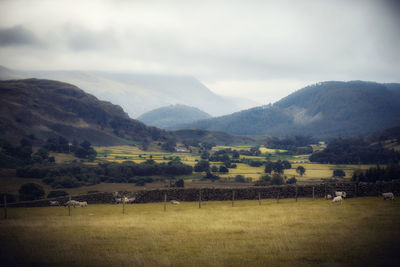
[[261, 50]]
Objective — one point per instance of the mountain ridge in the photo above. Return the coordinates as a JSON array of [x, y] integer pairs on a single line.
[[325, 110]]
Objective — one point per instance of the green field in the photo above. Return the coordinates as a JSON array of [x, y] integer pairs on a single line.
[[314, 172], [360, 232]]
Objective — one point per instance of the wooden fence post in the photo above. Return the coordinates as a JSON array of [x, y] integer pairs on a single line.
[[165, 201], [5, 206], [259, 198], [313, 193], [69, 206], [123, 205], [297, 192], [200, 199], [233, 198], [277, 199]]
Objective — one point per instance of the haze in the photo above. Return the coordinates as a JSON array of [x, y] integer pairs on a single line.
[[261, 50]]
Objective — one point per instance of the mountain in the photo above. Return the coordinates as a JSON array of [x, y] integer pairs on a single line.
[[139, 93], [40, 109], [324, 110], [172, 115]]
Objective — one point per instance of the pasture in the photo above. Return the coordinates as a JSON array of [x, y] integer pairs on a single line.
[[360, 232]]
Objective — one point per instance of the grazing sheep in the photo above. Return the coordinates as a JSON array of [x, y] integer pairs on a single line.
[[337, 199], [118, 200], [388, 195], [72, 203], [328, 197], [175, 202], [54, 203], [130, 200], [83, 204], [340, 193]]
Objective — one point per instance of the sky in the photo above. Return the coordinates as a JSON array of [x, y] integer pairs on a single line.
[[261, 50]]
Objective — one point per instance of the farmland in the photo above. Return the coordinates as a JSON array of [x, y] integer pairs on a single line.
[[314, 172], [361, 231]]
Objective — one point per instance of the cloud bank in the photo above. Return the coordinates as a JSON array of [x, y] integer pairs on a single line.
[[258, 49]]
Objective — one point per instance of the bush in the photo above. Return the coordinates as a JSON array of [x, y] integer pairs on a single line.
[[30, 191], [339, 173], [240, 178], [180, 183], [292, 180], [277, 179], [57, 193]]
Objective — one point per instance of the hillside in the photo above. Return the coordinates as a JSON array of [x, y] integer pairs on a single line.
[[139, 93], [45, 108], [324, 110], [172, 115]]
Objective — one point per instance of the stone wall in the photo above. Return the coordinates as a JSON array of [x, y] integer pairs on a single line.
[[189, 194]]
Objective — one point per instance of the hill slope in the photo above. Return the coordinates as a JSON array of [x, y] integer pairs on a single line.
[[139, 93], [45, 108], [172, 115], [324, 110]]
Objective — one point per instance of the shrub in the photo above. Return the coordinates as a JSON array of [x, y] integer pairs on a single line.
[[180, 183], [292, 180], [240, 178], [277, 179], [339, 173], [57, 193], [30, 191]]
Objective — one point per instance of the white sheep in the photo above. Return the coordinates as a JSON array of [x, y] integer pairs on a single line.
[[175, 202], [72, 203], [83, 204], [54, 203], [328, 197], [337, 199], [388, 195], [340, 193]]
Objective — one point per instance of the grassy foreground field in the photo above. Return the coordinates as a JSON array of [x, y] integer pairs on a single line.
[[360, 232]]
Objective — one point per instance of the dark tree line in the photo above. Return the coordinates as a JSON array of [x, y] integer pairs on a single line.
[[353, 151], [75, 175], [378, 173]]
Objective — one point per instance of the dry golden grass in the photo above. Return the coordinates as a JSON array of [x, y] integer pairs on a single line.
[[360, 232]]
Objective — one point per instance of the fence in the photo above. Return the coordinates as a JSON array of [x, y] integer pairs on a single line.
[[247, 193]]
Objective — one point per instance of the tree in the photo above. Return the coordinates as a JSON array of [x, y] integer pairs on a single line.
[[268, 167], [277, 179], [223, 169], [235, 154], [214, 168], [339, 173], [180, 183], [30, 191], [292, 180], [300, 170], [202, 166]]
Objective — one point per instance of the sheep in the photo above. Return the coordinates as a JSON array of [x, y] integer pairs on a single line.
[[118, 200], [175, 202], [340, 193], [83, 204], [72, 203], [130, 200], [328, 197], [54, 203], [337, 199], [388, 195]]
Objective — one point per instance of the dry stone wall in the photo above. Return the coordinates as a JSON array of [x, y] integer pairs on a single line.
[[249, 193]]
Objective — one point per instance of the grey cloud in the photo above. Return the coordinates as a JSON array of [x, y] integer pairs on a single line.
[[17, 35], [81, 39]]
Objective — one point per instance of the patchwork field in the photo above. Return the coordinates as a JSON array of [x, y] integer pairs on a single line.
[[314, 172], [360, 232]]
